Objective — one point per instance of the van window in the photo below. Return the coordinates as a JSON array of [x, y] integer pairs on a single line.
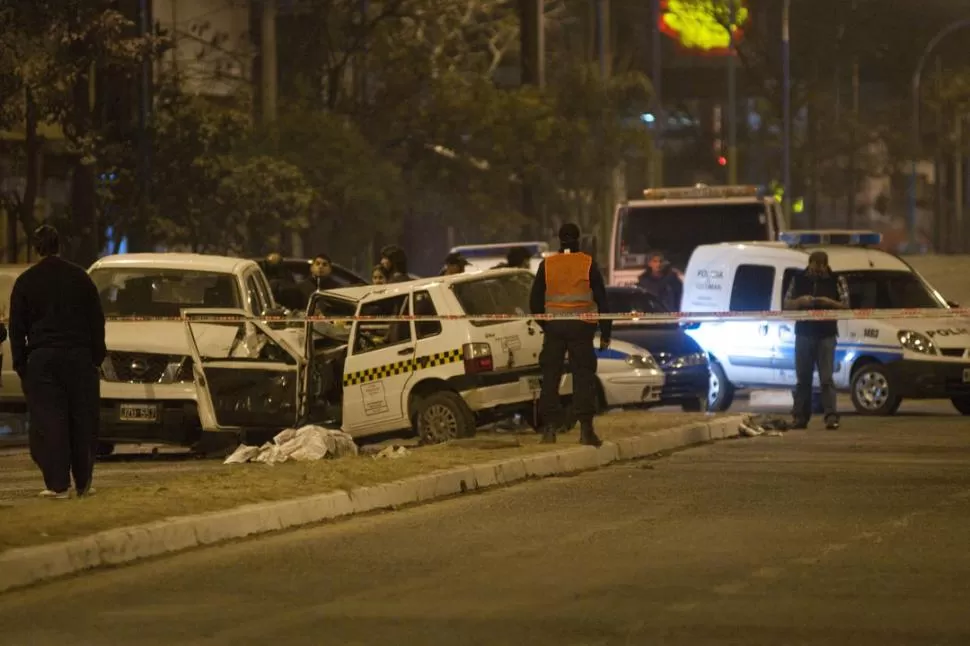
[[787, 278], [752, 288], [507, 294]]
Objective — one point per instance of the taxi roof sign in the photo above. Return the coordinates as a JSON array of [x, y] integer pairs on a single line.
[[803, 238], [702, 191]]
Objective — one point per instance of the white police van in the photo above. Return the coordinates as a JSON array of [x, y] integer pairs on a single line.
[[879, 362]]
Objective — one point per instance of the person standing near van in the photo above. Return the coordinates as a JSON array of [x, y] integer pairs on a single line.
[[569, 282], [817, 288], [57, 341]]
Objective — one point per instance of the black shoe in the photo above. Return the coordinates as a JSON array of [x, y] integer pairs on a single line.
[[588, 437], [548, 437], [832, 425], [798, 425]]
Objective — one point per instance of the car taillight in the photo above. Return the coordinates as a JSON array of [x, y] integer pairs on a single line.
[[478, 358]]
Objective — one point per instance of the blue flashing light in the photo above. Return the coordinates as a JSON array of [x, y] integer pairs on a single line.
[[835, 237]]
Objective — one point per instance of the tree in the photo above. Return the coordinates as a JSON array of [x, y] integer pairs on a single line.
[[52, 48], [214, 191]]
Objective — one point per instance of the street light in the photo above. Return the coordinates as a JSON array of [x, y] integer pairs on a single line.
[[917, 78], [786, 110]]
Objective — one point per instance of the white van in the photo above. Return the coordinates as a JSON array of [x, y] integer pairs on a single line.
[[879, 362]]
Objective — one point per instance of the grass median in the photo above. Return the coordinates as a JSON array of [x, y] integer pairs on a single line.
[[134, 493]]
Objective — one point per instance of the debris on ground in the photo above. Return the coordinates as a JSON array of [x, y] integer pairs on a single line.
[[393, 452], [767, 425], [305, 444]]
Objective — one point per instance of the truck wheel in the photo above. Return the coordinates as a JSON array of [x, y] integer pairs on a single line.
[[962, 404], [444, 416], [721, 393], [872, 391]]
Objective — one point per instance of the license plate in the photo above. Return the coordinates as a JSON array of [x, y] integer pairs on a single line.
[[534, 384], [966, 375], [139, 413]]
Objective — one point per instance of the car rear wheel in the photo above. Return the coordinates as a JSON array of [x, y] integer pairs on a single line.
[[872, 391], [443, 416], [720, 395]]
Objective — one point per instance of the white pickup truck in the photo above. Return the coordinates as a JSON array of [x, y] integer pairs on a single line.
[[148, 390]]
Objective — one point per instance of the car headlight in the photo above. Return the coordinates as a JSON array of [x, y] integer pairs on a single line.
[[695, 359], [641, 362], [916, 342]]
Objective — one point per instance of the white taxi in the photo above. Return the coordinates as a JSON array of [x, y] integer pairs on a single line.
[[879, 362], [441, 378]]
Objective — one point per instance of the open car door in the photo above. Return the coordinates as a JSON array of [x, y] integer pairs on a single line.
[[248, 379]]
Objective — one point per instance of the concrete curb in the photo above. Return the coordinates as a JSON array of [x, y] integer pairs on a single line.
[[25, 566]]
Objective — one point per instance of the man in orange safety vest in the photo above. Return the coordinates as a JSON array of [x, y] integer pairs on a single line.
[[570, 283]]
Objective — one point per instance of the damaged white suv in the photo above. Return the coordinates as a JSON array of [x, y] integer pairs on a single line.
[[148, 391]]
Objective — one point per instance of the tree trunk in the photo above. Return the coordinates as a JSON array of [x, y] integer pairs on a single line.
[[87, 242]]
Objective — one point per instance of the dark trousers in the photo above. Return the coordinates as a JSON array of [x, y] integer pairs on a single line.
[[63, 393], [576, 338], [813, 352]]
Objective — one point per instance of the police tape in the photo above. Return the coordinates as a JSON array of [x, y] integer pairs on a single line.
[[626, 317]]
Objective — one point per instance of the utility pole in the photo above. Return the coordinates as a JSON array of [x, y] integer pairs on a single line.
[[786, 110], [732, 97], [137, 239], [269, 68], [533, 72], [958, 188], [659, 118]]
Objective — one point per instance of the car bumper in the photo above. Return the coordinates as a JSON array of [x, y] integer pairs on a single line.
[[633, 387], [504, 388], [174, 418], [929, 379], [686, 384]]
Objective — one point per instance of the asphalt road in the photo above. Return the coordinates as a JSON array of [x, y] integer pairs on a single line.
[[851, 537]]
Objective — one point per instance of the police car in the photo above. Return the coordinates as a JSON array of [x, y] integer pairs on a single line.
[[442, 378], [880, 362]]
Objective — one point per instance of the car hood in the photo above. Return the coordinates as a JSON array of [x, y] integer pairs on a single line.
[[660, 341], [168, 337]]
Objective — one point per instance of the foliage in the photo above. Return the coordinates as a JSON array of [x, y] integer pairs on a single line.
[[210, 193]]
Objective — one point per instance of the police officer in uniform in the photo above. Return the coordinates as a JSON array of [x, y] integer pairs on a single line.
[[817, 288], [569, 282], [57, 341]]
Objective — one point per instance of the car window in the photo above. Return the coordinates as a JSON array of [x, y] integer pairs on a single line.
[[424, 306], [374, 335], [889, 290], [256, 303], [508, 294], [163, 292], [752, 288]]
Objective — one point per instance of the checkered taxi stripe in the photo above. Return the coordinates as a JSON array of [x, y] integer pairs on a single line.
[[401, 367]]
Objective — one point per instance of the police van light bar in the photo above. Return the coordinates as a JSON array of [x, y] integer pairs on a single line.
[[702, 191], [803, 238]]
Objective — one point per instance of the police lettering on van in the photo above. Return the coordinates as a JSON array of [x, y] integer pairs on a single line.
[[878, 362]]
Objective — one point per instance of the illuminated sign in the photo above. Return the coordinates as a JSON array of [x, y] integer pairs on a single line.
[[701, 25]]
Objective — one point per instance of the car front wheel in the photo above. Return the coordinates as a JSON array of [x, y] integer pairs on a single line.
[[873, 392], [721, 393]]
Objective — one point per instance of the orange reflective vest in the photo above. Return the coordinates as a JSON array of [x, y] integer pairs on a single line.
[[567, 284]]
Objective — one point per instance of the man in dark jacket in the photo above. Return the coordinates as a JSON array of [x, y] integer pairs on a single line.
[[57, 341], [517, 258], [817, 288], [569, 282], [285, 290], [663, 282], [320, 279]]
